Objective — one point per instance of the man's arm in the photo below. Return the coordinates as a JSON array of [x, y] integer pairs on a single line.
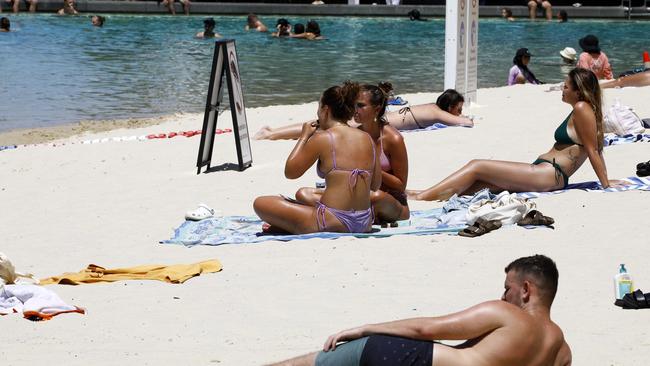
[[467, 324]]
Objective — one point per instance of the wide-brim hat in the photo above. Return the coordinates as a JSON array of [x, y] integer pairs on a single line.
[[568, 53], [589, 43]]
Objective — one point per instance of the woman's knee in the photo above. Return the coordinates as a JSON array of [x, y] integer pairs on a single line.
[[304, 194], [262, 204]]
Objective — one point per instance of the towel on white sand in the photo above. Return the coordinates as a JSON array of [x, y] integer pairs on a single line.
[[505, 207], [34, 302]]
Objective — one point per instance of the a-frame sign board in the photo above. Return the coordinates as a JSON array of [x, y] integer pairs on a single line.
[[224, 63]]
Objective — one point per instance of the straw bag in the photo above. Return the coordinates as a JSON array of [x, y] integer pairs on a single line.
[[8, 274], [622, 120]]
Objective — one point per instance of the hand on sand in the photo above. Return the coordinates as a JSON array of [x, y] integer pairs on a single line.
[[343, 336], [614, 183]]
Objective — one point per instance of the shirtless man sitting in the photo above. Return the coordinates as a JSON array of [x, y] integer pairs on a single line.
[[517, 331]]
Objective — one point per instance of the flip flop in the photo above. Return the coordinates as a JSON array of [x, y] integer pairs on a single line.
[[396, 101], [481, 226], [201, 213], [536, 218], [635, 300], [643, 165]]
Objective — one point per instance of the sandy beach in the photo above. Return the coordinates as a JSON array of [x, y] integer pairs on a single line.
[[73, 204]]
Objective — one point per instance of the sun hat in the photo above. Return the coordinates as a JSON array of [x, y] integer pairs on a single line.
[[589, 43], [568, 53]]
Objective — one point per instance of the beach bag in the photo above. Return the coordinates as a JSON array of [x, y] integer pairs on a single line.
[[621, 120], [8, 274]]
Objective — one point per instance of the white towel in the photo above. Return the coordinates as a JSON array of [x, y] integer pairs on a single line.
[[507, 208], [34, 302]]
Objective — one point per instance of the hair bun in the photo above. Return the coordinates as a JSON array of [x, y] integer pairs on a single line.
[[386, 87]]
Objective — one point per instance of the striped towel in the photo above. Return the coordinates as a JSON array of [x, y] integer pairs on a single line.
[[642, 184], [618, 140]]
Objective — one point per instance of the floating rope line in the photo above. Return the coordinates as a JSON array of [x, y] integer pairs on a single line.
[[154, 136]]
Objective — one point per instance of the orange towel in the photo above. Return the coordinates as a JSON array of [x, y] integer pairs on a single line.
[[177, 273]]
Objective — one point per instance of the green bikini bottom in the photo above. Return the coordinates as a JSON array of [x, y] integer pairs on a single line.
[[558, 169]]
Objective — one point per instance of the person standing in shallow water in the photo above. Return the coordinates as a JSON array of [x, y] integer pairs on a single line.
[[5, 24], [519, 72], [208, 29]]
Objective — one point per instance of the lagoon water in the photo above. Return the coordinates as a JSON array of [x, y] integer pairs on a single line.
[[56, 70]]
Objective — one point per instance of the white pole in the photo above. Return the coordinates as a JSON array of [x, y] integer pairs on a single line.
[[461, 47]]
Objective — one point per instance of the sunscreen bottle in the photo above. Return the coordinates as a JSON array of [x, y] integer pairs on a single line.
[[622, 283]]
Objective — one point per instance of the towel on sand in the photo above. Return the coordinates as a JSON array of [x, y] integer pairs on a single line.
[[177, 273], [642, 184], [34, 302], [247, 229]]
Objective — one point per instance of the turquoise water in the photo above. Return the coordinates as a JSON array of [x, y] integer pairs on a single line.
[[60, 69]]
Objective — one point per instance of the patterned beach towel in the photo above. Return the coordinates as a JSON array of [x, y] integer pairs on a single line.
[[636, 183], [618, 140], [247, 229]]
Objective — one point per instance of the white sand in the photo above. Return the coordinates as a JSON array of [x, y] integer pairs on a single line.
[[67, 206]]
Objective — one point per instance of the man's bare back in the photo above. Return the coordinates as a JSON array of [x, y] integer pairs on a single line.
[[516, 331]]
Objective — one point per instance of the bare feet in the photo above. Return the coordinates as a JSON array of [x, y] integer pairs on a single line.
[[270, 229], [263, 133], [413, 194]]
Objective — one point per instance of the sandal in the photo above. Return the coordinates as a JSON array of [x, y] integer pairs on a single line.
[[635, 300], [481, 226], [201, 213], [535, 218]]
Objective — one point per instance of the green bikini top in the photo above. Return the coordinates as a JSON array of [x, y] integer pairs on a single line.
[[562, 133]]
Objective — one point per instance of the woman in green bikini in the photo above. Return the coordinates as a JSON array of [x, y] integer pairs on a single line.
[[578, 138]]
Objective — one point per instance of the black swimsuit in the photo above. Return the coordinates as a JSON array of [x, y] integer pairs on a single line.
[[383, 350]]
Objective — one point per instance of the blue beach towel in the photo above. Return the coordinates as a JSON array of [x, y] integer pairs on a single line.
[[637, 183], [433, 127], [247, 229]]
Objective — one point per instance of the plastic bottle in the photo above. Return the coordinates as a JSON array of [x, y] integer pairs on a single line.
[[623, 283], [646, 60]]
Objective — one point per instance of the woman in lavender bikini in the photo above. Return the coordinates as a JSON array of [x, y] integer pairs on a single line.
[[347, 159]]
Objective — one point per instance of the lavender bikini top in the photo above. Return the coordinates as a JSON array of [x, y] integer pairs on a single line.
[[354, 173]]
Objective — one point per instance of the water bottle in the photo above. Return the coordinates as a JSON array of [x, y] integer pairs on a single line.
[[622, 283]]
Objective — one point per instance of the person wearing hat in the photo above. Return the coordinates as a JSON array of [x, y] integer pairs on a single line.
[[208, 29], [592, 58], [568, 55], [519, 72]]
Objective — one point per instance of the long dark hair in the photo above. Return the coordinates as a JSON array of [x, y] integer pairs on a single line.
[[517, 60], [449, 99], [379, 97]]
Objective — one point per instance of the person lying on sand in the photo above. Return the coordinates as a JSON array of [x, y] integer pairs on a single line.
[[447, 110], [347, 160], [638, 79], [389, 201], [516, 331], [578, 138]]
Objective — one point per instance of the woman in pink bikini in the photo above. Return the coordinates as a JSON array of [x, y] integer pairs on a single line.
[[347, 160], [389, 201]]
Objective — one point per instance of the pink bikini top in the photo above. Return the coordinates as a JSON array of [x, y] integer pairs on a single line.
[[354, 173]]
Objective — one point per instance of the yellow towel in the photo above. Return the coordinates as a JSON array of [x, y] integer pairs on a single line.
[[177, 273]]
